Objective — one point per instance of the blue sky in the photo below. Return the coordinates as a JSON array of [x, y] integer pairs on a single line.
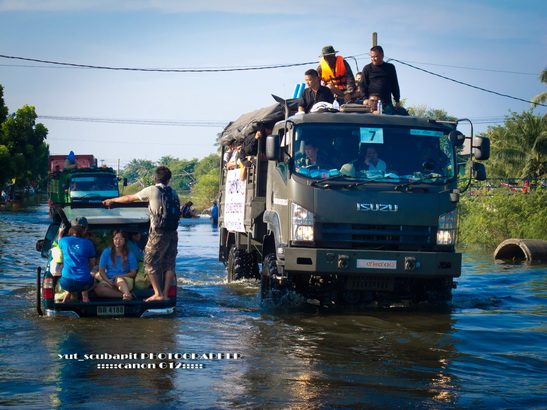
[[497, 45]]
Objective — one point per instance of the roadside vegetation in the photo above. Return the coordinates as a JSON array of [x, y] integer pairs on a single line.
[[194, 180], [23, 150]]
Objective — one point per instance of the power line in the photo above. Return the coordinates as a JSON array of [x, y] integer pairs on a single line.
[[473, 68], [466, 84], [161, 70], [249, 68], [178, 123]]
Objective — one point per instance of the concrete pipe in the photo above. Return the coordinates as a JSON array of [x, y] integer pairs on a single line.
[[530, 250]]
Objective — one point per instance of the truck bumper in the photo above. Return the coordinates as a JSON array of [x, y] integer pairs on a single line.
[[373, 263]]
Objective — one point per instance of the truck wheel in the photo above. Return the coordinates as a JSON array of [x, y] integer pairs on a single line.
[[251, 266], [235, 266], [269, 268]]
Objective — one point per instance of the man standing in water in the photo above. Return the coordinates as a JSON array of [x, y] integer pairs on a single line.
[[161, 249]]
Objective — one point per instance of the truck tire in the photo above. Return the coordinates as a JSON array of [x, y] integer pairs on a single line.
[[269, 268], [235, 266], [250, 269]]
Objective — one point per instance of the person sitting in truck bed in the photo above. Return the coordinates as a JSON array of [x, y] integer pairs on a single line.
[[79, 259], [117, 269], [314, 93]]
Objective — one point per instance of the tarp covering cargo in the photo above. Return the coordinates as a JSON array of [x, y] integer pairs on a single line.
[[251, 122]]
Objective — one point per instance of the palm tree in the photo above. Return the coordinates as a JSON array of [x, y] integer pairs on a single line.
[[519, 148], [540, 98]]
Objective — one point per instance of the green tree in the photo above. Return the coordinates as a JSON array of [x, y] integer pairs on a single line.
[[3, 108], [206, 189], [183, 179], [139, 172], [519, 147], [22, 148], [540, 98], [426, 112], [167, 161]]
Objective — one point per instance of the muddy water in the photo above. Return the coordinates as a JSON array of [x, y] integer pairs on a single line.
[[487, 350]]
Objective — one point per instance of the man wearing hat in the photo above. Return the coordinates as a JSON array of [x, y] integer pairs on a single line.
[[336, 74]]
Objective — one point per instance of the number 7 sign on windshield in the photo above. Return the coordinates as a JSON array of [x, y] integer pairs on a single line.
[[372, 135]]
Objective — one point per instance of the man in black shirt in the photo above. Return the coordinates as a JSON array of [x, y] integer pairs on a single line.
[[314, 93], [380, 78]]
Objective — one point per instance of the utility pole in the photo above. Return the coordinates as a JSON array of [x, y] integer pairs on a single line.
[[374, 39]]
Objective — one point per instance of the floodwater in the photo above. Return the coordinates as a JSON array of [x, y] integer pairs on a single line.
[[222, 349]]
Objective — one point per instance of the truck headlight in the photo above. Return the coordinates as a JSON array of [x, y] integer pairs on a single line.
[[302, 224], [446, 233]]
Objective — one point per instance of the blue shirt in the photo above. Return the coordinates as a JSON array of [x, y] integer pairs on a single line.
[[118, 268], [76, 254], [214, 211]]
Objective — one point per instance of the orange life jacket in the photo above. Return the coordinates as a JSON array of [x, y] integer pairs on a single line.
[[338, 78]]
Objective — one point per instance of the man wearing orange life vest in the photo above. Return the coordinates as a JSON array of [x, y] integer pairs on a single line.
[[336, 74]]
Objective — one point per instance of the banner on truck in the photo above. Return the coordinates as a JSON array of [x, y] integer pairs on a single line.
[[234, 206]]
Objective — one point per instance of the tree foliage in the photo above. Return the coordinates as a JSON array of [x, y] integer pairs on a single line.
[[424, 111], [195, 180], [23, 152], [519, 147], [540, 98]]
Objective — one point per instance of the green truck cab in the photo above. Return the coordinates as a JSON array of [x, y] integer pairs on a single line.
[[327, 225], [83, 182]]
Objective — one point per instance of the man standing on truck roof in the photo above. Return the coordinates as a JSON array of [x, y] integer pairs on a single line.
[[336, 74], [380, 78], [314, 93], [161, 249]]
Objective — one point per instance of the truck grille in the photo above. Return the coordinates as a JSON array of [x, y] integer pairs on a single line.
[[365, 236]]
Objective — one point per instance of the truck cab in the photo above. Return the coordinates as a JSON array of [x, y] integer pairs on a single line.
[[83, 182]]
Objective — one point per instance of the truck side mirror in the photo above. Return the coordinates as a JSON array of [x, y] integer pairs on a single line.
[[456, 138], [272, 147], [478, 171], [481, 148]]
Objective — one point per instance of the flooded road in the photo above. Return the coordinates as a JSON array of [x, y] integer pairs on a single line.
[[222, 349]]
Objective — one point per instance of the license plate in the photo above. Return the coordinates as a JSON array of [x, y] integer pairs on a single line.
[[110, 310], [376, 264], [370, 283]]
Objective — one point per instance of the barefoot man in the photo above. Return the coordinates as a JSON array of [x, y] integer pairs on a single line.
[[161, 249]]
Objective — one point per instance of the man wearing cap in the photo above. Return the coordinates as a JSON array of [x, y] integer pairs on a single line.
[[161, 249], [78, 260], [336, 74]]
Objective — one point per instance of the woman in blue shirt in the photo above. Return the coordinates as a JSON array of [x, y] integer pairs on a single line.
[[78, 259], [117, 268]]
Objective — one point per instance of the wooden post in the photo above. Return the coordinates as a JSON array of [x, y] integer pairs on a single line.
[[374, 39]]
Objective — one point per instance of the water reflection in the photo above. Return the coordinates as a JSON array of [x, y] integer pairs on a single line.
[[81, 353], [311, 361]]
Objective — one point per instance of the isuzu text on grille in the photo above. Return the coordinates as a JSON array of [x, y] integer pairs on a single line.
[[378, 207]]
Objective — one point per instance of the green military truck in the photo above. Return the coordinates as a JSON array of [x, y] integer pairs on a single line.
[[346, 208], [80, 181]]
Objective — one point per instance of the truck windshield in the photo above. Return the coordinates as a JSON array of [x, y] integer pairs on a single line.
[[356, 152], [89, 184]]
